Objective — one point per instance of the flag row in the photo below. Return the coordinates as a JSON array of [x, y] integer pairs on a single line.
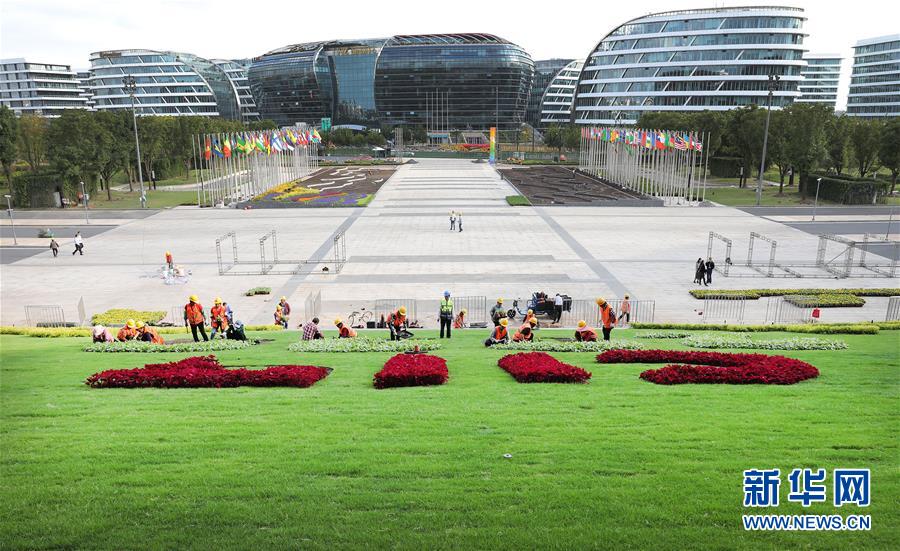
[[648, 139], [256, 142]]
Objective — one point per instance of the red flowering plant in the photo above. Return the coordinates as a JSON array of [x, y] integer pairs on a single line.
[[540, 367], [412, 370], [206, 372], [714, 367]]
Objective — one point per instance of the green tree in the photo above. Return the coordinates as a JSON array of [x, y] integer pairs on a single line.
[[553, 137], [9, 135], [776, 151], [746, 127], [72, 148], [865, 138], [33, 140], [114, 145], [154, 133], [837, 138], [889, 149], [571, 136], [804, 134]]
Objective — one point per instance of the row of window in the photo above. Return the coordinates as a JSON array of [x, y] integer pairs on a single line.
[[697, 55], [895, 77], [693, 71], [700, 40], [680, 101], [895, 98], [874, 48], [708, 24], [884, 67]]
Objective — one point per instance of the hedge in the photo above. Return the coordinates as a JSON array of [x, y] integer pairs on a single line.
[[754, 294], [118, 316], [726, 167], [822, 328], [846, 189], [828, 300], [258, 291], [56, 332]]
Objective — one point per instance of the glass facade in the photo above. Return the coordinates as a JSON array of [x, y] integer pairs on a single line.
[[556, 105], [544, 71], [39, 88], [236, 70], [479, 79], [820, 79], [875, 81], [717, 58]]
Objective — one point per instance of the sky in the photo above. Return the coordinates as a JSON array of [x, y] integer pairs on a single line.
[[67, 31]]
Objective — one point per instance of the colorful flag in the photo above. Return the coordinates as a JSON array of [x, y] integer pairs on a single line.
[[260, 143], [207, 151], [661, 140], [216, 149], [316, 137], [226, 148], [678, 142]]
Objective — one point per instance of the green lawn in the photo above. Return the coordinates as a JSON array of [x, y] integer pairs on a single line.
[[615, 463], [132, 200], [121, 178], [743, 197]]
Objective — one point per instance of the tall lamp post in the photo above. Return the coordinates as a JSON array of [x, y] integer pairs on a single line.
[[9, 212], [816, 203], [773, 85], [130, 88], [84, 200]]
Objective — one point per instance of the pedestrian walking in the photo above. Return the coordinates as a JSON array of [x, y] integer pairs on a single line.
[[54, 246], [699, 271], [710, 266], [79, 244], [452, 221], [557, 308], [625, 311], [446, 314], [459, 220]]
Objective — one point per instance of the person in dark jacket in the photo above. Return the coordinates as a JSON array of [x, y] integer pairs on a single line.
[[710, 266], [699, 271]]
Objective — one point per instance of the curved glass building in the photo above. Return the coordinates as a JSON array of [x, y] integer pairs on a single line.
[[717, 59], [556, 103], [820, 79], [875, 81], [544, 71], [168, 83], [451, 81], [236, 70]]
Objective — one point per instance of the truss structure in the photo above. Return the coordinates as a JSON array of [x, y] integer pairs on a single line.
[[269, 263]]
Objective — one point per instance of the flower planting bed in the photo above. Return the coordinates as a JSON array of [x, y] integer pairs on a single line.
[[754, 294], [826, 300], [181, 347], [663, 335], [743, 341], [363, 344], [556, 185], [714, 367], [331, 187], [258, 291], [869, 328], [539, 367], [412, 370], [547, 345], [206, 372], [118, 316]]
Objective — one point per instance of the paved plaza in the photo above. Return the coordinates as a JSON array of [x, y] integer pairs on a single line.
[[401, 246]]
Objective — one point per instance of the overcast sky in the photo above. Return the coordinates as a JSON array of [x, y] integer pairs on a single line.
[[67, 31]]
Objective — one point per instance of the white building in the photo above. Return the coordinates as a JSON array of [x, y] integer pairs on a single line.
[[43, 89], [84, 84], [556, 103], [692, 60], [875, 81], [820, 79]]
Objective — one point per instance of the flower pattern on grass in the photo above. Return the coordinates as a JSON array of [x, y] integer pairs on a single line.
[[540, 367], [714, 367], [412, 370], [206, 372]]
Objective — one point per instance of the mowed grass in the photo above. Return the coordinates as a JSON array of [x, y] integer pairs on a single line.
[[618, 462]]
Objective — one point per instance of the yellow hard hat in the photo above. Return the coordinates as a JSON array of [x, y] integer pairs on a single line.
[[600, 301], [582, 324], [193, 298], [129, 323], [530, 311], [167, 252], [464, 311], [403, 310], [141, 325], [278, 307], [533, 321], [283, 298], [626, 296], [499, 301], [337, 321], [218, 300], [504, 322]]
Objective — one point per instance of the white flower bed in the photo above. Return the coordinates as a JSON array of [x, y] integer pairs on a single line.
[[795, 343], [142, 346], [363, 344], [663, 335], [570, 346]]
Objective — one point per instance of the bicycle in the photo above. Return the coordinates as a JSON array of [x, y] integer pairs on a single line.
[[359, 318]]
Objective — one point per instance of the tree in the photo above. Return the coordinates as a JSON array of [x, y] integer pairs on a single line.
[[33, 140], [114, 145], [553, 137], [153, 133], [889, 149], [865, 138], [777, 151], [571, 136], [9, 132], [804, 136], [746, 127], [837, 137], [72, 148]]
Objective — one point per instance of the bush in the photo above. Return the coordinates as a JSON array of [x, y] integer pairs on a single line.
[[825, 301], [823, 328], [412, 370], [518, 200], [888, 325], [363, 344], [744, 341], [726, 167], [547, 345], [846, 190], [118, 316], [35, 189], [663, 335], [754, 294], [215, 345], [539, 367], [258, 291], [55, 332]]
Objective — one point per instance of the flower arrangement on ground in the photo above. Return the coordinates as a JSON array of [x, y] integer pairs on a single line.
[[743, 341], [363, 344], [552, 345], [412, 370], [206, 372], [662, 335], [181, 347], [714, 367], [540, 367]]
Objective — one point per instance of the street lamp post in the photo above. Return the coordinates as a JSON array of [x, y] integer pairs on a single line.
[[773, 85], [130, 85], [84, 201], [816, 203], [11, 224]]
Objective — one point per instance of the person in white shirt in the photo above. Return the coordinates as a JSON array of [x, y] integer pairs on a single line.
[[557, 307], [79, 244]]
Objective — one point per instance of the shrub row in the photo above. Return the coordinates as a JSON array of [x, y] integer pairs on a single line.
[[548, 345], [823, 328], [830, 300], [258, 291], [363, 344], [118, 316], [754, 294], [744, 341], [215, 345], [55, 332]]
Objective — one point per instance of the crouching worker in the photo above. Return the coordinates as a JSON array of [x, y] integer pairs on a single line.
[[460, 321], [101, 334], [236, 331], [218, 319], [499, 335], [127, 333], [526, 332], [148, 334], [397, 322], [585, 333], [344, 330]]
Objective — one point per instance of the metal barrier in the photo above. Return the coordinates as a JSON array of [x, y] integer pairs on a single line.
[[723, 310], [893, 309], [82, 314], [312, 305], [270, 263], [782, 310], [643, 311], [45, 316], [475, 306], [387, 305]]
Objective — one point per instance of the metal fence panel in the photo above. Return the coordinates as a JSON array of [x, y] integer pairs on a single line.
[[312, 305], [893, 309], [45, 316], [781, 310], [387, 305], [475, 306], [723, 310], [643, 311]]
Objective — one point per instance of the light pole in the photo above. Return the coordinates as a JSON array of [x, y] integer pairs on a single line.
[[816, 203], [130, 85], [773, 85], [887, 234], [9, 212], [84, 201]]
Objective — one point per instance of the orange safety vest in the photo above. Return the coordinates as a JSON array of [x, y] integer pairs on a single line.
[[126, 334], [346, 332], [529, 318], [397, 319], [154, 336], [218, 318], [521, 335], [500, 333], [459, 321], [586, 335], [606, 316], [193, 312]]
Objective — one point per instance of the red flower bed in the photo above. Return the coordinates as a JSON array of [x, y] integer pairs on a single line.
[[412, 370], [714, 367], [540, 367], [204, 372]]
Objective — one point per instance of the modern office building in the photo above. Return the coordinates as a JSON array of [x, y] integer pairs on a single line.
[[544, 71], [168, 83], [556, 104], [691, 60], [443, 81], [236, 69], [820, 79], [43, 89], [875, 81], [84, 84]]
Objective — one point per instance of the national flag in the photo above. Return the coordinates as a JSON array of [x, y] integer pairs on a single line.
[[316, 137], [260, 143], [614, 136], [661, 140], [268, 143], [217, 150], [207, 151], [226, 148], [241, 144], [678, 142]]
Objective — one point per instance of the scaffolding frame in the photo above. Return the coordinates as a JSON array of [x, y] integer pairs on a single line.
[[268, 264], [842, 269], [721, 267], [888, 271]]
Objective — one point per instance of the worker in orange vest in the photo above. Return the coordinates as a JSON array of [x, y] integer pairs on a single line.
[[218, 319], [607, 318], [148, 334], [128, 333], [530, 316], [169, 262], [585, 333], [526, 331], [195, 318], [344, 330], [460, 321], [499, 335], [396, 322]]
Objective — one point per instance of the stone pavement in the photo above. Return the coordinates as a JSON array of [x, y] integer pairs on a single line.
[[401, 246]]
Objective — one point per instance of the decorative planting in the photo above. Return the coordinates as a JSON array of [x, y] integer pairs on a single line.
[[821, 328], [363, 344], [412, 370], [662, 335], [118, 316], [216, 345], [828, 300], [549, 345], [539, 367], [754, 294], [743, 341], [258, 291]]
